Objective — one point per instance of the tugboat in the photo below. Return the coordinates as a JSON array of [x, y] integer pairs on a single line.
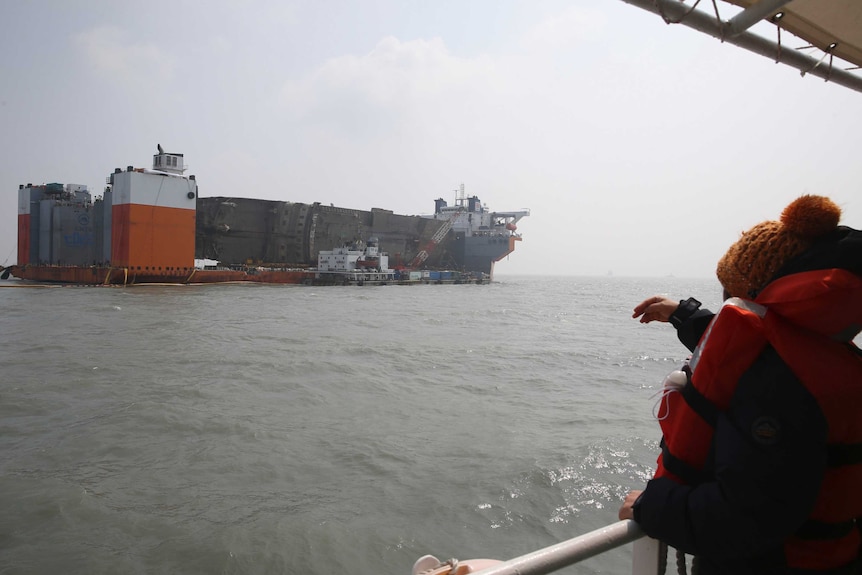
[[354, 264]]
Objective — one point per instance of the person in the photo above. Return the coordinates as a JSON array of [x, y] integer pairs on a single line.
[[760, 469]]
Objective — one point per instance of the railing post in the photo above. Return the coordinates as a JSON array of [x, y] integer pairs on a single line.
[[645, 556]]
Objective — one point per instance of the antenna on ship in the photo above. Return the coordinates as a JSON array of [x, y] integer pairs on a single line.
[[460, 196]]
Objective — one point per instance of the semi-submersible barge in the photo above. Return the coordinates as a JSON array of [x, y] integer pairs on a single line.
[[150, 226]]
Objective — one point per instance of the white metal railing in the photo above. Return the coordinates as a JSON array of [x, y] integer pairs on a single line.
[[645, 552]]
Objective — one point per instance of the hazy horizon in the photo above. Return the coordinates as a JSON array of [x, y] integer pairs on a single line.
[[640, 148]]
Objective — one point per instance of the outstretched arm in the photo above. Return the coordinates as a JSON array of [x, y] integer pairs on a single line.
[[656, 308], [690, 321]]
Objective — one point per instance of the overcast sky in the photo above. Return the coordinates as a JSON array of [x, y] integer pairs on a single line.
[[640, 148]]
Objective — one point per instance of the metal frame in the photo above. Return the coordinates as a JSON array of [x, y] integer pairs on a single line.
[[735, 32], [563, 554], [752, 15]]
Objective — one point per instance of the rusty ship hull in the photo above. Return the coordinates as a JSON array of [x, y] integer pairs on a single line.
[[238, 231], [113, 276]]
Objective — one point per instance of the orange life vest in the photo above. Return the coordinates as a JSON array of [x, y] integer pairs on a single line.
[[809, 319]]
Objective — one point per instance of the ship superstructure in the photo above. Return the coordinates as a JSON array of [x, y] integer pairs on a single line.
[[480, 237], [141, 230], [153, 217]]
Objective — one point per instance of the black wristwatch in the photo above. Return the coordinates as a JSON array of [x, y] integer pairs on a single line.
[[685, 310]]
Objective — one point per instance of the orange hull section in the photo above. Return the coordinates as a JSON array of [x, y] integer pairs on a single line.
[[23, 239], [152, 238], [512, 240], [281, 276], [253, 276], [122, 276]]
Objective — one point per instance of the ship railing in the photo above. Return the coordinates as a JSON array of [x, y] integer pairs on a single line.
[[646, 552]]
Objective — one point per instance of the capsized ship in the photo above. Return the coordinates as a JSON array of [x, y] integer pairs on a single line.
[[465, 237], [150, 226]]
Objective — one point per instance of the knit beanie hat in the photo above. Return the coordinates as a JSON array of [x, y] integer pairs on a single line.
[[754, 259]]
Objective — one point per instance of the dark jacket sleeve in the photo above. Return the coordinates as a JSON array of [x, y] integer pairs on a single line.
[[693, 328], [769, 458]]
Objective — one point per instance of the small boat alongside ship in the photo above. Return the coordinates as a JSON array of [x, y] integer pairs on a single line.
[[151, 227], [363, 263]]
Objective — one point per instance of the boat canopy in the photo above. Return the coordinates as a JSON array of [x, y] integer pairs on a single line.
[[833, 30]]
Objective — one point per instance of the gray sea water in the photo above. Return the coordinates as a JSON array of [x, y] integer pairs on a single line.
[[292, 429]]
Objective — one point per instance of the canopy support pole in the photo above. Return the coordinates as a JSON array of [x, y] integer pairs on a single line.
[[708, 24]]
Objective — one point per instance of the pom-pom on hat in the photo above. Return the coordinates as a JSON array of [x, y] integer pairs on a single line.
[[754, 259]]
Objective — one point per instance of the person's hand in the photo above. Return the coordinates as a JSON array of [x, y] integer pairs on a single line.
[[656, 308], [626, 510]]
